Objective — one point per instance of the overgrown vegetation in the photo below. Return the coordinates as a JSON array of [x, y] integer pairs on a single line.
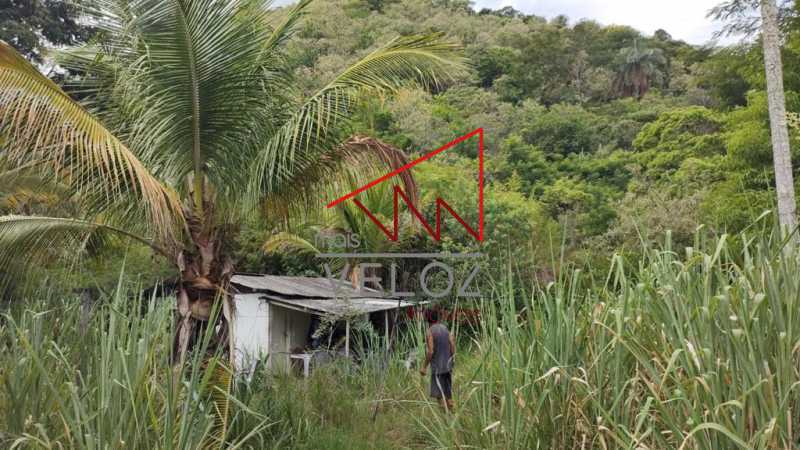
[[567, 147], [667, 319], [661, 354], [77, 376]]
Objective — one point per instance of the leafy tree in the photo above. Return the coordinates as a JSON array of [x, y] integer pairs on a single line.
[[194, 127], [491, 63], [30, 26], [526, 162], [773, 17], [603, 44], [454, 5], [739, 18], [374, 5], [566, 194], [664, 145], [506, 11], [724, 76], [542, 69], [732, 205], [562, 130], [512, 218], [686, 128]]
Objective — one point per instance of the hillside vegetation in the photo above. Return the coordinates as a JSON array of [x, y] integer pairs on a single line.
[[596, 135]]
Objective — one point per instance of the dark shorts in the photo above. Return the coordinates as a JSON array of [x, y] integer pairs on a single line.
[[441, 385]]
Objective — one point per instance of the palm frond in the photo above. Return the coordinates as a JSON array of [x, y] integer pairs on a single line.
[[315, 128], [287, 241], [220, 381], [367, 149], [42, 125], [21, 188], [284, 30], [380, 201], [200, 87], [28, 242], [356, 161], [189, 84]]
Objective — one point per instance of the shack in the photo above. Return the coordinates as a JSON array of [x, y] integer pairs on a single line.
[[276, 317]]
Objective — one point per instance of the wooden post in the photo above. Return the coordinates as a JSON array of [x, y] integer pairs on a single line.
[[347, 338], [386, 328]]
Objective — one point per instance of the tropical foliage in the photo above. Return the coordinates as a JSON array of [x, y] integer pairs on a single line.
[[558, 139], [188, 119], [634, 295], [547, 94]]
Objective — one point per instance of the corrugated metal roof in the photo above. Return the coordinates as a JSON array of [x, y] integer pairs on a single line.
[[340, 306], [309, 287]]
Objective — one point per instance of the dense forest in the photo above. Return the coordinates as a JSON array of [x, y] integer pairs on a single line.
[[597, 136]]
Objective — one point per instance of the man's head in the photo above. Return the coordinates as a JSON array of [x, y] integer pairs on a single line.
[[433, 316]]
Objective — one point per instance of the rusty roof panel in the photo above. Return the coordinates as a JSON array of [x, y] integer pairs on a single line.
[[338, 307], [308, 287]]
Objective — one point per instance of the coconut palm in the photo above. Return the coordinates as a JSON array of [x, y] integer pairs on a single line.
[[188, 121], [638, 68]]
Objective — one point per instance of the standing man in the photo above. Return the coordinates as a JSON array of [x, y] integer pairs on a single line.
[[440, 349]]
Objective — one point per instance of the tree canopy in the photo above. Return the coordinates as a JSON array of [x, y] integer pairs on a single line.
[[585, 124]]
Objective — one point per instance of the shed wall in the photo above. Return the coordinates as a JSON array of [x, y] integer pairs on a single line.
[[288, 330], [251, 330]]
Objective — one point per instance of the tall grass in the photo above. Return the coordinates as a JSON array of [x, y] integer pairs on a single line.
[[110, 384], [107, 382], [691, 348], [695, 348]]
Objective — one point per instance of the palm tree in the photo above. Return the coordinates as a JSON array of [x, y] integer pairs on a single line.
[[188, 122], [638, 68]]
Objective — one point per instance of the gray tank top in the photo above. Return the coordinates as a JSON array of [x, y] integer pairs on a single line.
[[441, 361]]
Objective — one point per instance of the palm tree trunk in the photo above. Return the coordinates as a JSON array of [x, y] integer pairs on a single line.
[[205, 273], [784, 183]]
